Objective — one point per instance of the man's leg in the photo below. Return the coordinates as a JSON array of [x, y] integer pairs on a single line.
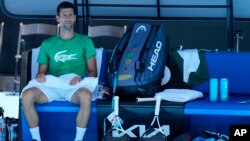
[[82, 97], [29, 98]]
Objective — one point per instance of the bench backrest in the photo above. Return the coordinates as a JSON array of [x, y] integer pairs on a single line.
[[231, 65]]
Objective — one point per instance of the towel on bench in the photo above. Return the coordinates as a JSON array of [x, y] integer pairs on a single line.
[[194, 75], [191, 62], [179, 95]]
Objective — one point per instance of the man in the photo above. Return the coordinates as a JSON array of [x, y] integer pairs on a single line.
[[67, 53]]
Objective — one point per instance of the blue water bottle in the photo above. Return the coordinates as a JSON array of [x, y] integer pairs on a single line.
[[213, 92], [223, 89]]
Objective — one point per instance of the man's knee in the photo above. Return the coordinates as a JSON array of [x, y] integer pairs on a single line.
[[33, 95], [28, 96], [85, 94]]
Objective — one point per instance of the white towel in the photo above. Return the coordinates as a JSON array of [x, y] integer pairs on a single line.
[[62, 82], [191, 62], [179, 95], [34, 64]]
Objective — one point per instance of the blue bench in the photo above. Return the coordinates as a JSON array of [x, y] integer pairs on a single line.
[[199, 114], [57, 122], [218, 116]]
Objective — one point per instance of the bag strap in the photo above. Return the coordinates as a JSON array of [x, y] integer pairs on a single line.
[[140, 63], [135, 37], [118, 51]]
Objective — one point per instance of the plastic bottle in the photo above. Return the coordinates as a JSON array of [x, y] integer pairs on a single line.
[[213, 92], [223, 89]]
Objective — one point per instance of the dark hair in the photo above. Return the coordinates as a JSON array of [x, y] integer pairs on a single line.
[[65, 4]]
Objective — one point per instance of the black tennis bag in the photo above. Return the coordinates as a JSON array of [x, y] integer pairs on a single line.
[[137, 64]]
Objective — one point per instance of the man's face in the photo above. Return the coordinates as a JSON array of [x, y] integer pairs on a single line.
[[66, 18]]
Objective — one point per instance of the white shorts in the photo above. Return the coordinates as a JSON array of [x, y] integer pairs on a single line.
[[58, 94], [58, 88]]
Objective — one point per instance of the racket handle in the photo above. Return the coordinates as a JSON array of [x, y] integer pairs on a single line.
[[116, 105], [157, 105], [145, 99]]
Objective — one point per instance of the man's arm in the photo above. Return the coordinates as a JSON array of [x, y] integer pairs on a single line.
[[42, 71], [92, 72], [91, 64]]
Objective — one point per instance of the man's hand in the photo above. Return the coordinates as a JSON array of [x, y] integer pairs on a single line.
[[41, 78], [75, 80]]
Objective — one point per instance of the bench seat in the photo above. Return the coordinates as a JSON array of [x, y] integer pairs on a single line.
[[61, 106], [59, 118], [200, 114], [232, 107]]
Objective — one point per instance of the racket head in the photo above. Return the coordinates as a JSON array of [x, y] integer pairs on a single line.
[[156, 137], [108, 137], [153, 134], [111, 138]]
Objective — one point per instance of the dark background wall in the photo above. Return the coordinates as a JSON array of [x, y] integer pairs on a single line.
[[197, 33], [10, 37]]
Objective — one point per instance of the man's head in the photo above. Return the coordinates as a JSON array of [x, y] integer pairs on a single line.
[[64, 5], [66, 15]]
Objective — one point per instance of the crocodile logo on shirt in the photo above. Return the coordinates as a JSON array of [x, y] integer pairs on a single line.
[[62, 56]]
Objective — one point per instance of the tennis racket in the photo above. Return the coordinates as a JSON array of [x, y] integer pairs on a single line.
[[155, 133], [116, 126]]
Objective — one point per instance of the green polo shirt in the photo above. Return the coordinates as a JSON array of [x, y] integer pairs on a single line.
[[66, 56]]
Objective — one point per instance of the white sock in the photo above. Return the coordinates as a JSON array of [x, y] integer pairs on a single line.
[[35, 133], [80, 133]]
